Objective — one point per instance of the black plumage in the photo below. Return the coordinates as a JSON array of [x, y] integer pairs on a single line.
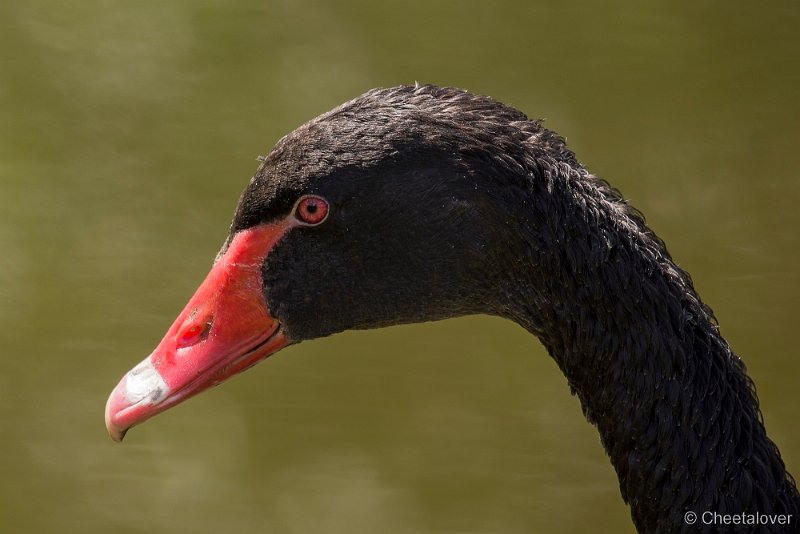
[[444, 203]]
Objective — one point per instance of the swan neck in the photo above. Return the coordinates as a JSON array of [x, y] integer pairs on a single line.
[[675, 409]]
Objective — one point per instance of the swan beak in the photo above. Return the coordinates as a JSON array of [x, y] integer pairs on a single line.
[[224, 329]]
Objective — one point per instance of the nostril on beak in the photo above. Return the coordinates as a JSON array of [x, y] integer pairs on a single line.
[[193, 331]]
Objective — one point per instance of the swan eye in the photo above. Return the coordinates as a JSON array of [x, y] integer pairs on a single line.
[[311, 210]]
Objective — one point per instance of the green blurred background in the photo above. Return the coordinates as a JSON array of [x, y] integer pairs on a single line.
[[129, 128]]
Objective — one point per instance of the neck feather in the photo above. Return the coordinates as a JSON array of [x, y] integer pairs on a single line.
[[676, 411]]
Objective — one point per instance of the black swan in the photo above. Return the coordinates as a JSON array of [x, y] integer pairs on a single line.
[[418, 203]]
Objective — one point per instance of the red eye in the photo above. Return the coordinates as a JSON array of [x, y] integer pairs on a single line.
[[311, 209]]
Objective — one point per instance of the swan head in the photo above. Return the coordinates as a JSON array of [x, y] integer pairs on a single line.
[[400, 206]]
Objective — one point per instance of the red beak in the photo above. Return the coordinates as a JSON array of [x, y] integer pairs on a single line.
[[224, 329]]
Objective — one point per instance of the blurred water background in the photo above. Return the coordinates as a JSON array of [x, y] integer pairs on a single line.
[[127, 131]]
